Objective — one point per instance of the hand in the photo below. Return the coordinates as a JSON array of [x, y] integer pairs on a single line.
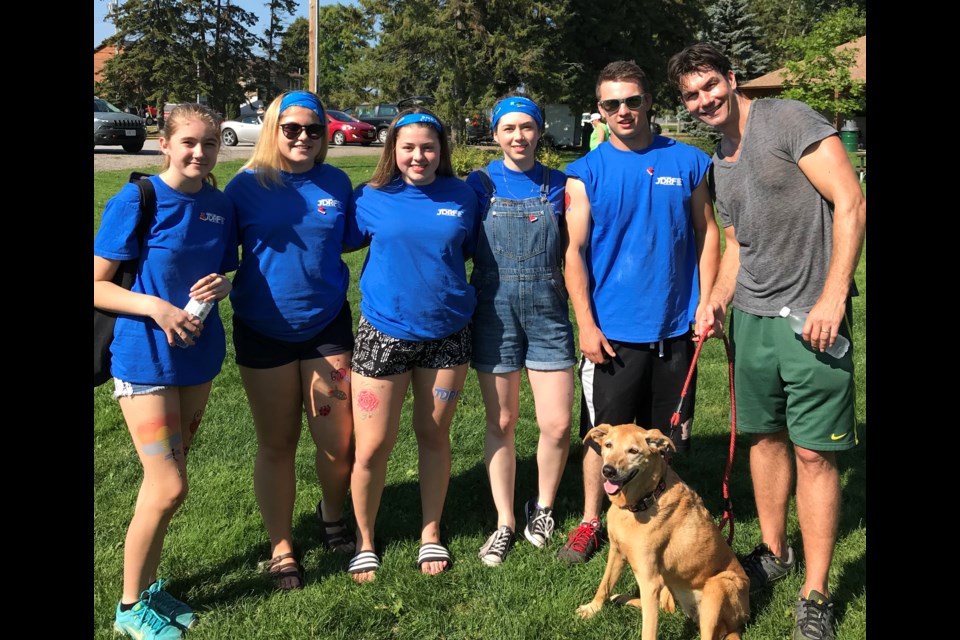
[[709, 320], [211, 288], [174, 321], [823, 324], [594, 345]]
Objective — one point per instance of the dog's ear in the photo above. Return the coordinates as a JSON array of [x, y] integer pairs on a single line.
[[659, 442], [597, 434]]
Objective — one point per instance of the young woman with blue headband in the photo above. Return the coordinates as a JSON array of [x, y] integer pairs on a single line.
[[522, 320], [415, 325], [293, 330]]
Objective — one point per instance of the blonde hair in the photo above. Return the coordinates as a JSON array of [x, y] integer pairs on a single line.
[[191, 111], [387, 168], [266, 161]]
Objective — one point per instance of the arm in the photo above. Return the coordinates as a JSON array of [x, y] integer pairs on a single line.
[[601, 132], [828, 168], [593, 344], [173, 320], [721, 295], [708, 252]]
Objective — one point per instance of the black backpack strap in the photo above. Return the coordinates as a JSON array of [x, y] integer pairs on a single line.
[[148, 203]]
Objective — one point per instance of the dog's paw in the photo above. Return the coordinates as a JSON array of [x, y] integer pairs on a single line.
[[588, 610], [625, 600]]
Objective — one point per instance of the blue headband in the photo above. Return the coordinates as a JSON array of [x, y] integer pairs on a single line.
[[516, 104], [303, 99], [412, 118]]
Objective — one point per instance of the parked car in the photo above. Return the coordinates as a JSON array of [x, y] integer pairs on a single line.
[[112, 126], [378, 115], [343, 128], [246, 129]]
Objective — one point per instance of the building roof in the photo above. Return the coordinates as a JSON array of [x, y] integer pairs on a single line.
[[858, 72]]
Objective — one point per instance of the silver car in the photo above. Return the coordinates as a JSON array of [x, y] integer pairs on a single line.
[[246, 129]]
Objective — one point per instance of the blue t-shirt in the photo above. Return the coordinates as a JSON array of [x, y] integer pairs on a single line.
[[292, 281], [414, 281], [516, 185], [191, 236], [642, 253]]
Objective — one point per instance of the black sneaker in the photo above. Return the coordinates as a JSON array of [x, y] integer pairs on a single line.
[[763, 567], [582, 542], [494, 551], [814, 617], [539, 524]]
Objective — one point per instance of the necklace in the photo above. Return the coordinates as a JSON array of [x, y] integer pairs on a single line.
[[506, 186]]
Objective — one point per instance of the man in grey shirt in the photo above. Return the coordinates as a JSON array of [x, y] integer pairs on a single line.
[[794, 219]]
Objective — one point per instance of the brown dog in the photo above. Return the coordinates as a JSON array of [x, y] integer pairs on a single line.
[[659, 525]]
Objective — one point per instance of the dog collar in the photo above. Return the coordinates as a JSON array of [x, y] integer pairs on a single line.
[[647, 502]]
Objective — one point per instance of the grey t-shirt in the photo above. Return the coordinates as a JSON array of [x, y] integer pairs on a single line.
[[783, 224]]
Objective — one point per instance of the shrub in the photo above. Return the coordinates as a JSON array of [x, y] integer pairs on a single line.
[[466, 159]]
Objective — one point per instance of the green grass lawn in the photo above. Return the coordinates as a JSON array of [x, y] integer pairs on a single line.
[[217, 538]]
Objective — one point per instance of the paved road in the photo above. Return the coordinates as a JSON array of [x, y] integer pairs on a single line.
[[109, 158]]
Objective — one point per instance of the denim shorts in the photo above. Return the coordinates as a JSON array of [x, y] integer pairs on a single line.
[[124, 389], [522, 321], [377, 354]]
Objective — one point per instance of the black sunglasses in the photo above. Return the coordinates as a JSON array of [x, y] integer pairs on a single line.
[[613, 105], [291, 130]]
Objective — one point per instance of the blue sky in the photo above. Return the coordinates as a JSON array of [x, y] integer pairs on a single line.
[[103, 29]]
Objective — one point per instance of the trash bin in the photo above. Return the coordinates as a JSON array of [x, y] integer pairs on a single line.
[[850, 135]]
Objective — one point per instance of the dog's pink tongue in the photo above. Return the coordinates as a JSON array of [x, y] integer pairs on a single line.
[[610, 488]]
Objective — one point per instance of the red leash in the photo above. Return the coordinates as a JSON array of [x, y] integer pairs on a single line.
[[675, 424]]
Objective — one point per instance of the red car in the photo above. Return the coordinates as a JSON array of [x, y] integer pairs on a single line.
[[343, 128]]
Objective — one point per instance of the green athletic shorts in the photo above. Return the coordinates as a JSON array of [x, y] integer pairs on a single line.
[[780, 381]]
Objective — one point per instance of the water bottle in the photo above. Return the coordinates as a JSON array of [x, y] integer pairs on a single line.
[[797, 320], [194, 308]]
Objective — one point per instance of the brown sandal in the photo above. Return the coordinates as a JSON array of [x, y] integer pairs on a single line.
[[286, 576]]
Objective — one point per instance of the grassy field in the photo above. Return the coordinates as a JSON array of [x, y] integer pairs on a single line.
[[217, 538]]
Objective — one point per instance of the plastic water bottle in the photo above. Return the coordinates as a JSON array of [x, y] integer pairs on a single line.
[[194, 308], [797, 320]]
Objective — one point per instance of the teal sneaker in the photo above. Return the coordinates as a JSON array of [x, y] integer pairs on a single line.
[[169, 606], [142, 622]]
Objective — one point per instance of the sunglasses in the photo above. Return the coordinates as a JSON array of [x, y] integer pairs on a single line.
[[613, 105], [292, 130]]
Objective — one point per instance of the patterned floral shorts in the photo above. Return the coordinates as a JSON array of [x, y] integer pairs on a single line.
[[376, 354]]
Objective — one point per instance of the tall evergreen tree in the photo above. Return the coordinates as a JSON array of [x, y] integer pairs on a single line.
[[269, 73], [733, 30]]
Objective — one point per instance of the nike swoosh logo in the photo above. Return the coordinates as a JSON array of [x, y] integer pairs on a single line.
[[834, 436]]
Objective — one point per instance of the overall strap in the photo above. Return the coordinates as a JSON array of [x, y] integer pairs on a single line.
[[487, 182], [545, 185]]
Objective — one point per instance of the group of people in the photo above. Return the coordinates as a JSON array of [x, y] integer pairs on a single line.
[[628, 230]]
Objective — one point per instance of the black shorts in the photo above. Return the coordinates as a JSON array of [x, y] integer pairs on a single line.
[[379, 355], [257, 351], [639, 385]]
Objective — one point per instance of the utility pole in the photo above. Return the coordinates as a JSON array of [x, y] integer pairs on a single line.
[[312, 68]]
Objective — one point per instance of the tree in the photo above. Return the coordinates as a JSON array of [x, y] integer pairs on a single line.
[[268, 71], [782, 20], [820, 76], [294, 53], [733, 30], [149, 68], [343, 33]]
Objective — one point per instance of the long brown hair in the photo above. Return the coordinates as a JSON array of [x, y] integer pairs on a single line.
[[387, 168]]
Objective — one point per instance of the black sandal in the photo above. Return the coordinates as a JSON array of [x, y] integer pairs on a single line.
[[285, 577], [336, 536]]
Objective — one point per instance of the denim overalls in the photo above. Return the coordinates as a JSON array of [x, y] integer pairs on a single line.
[[522, 318]]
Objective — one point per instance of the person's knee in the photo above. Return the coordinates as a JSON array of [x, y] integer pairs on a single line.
[[810, 461], [166, 497], [555, 430], [503, 425]]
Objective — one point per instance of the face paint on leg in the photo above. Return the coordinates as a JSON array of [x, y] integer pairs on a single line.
[[156, 437], [324, 410], [337, 393], [447, 395], [367, 401], [338, 375]]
